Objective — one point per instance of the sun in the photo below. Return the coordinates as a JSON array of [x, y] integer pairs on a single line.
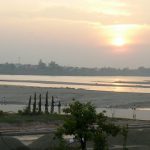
[[119, 35], [119, 41]]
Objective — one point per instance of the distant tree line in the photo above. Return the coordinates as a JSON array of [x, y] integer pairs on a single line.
[[53, 68]]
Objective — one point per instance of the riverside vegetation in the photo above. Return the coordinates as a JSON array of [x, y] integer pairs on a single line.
[[80, 121], [86, 125], [53, 68]]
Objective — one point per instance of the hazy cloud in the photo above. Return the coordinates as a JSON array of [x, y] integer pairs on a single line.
[[74, 32]]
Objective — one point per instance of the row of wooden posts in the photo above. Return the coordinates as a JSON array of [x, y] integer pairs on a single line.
[[37, 106]]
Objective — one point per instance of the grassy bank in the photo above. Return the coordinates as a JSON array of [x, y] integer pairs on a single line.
[[18, 118]]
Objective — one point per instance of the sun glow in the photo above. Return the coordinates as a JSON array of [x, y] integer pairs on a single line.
[[119, 41], [120, 35]]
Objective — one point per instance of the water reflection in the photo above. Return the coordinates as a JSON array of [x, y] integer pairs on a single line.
[[99, 83]]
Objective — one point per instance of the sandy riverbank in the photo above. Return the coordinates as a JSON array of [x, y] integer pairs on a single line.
[[20, 95]]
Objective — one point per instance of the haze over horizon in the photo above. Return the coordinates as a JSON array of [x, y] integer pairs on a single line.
[[87, 33]]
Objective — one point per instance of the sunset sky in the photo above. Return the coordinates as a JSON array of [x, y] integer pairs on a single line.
[[90, 33]]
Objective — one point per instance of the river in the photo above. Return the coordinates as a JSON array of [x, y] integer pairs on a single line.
[[141, 113], [99, 83]]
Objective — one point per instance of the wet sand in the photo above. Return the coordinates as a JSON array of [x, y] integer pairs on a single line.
[[20, 95]]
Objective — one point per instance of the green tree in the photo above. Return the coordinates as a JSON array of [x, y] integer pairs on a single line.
[[104, 128], [85, 125], [41, 64], [46, 103], [39, 104], [29, 105], [52, 105], [34, 104], [124, 132], [53, 65], [100, 140], [80, 121], [59, 107]]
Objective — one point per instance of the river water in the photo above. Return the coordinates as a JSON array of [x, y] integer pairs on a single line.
[[141, 113], [99, 83]]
